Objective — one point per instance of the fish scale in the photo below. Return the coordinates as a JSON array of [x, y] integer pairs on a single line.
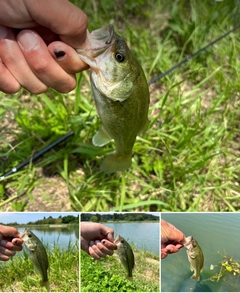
[[126, 255], [37, 254], [121, 95], [195, 256]]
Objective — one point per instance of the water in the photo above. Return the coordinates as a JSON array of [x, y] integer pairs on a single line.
[[215, 232], [145, 236], [60, 236]]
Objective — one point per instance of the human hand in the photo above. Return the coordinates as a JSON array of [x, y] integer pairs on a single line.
[[171, 239], [37, 41], [10, 242], [97, 239]]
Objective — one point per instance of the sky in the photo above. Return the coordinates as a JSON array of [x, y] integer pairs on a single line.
[[23, 218]]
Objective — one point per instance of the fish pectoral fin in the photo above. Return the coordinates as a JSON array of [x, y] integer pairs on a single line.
[[101, 138]]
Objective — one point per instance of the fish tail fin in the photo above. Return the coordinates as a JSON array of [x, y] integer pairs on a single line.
[[194, 276], [115, 162], [45, 284]]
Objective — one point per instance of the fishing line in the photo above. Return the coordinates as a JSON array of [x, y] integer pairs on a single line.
[[57, 142], [192, 56]]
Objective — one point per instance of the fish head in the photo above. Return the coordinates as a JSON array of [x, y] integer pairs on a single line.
[[29, 240], [114, 68], [188, 242], [192, 246], [120, 242]]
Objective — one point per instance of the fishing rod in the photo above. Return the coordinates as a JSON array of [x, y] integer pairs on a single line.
[[66, 136], [193, 55], [37, 155]]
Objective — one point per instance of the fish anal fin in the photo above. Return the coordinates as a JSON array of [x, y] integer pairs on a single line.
[[101, 138], [130, 278], [194, 276], [144, 128]]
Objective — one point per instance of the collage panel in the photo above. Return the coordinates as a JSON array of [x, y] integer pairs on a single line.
[[120, 252], [208, 259], [39, 252]]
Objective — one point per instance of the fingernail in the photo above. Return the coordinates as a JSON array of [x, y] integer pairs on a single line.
[[3, 32], [59, 54], [28, 40]]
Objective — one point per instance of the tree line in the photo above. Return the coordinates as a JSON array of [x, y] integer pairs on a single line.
[[115, 217], [70, 219]]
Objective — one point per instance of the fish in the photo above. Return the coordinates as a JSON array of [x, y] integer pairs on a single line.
[[121, 95], [38, 255], [195, 256], [126, 255]]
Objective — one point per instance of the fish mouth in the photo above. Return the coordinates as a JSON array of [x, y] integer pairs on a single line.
[[117, 241], [22, 235], [187, 241], [100, 40]]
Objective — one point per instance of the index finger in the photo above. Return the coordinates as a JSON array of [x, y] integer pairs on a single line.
[[109, 245], [61, 17], [17, 241]]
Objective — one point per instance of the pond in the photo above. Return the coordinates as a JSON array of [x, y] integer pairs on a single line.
[[52, 236], [215, 232], [144, 235]]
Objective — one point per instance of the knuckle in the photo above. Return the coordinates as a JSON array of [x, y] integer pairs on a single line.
[[41, 66]]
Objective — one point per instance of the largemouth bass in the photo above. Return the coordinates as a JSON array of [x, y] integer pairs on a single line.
[[126, 255], [195, 256], [38, 255], [121, 95]]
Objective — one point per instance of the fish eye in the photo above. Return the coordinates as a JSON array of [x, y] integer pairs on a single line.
[[119, 57], [29, 235]]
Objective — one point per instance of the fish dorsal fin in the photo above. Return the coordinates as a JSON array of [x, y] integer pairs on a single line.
[[101, 137]]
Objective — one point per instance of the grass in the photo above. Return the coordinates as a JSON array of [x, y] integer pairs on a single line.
[[188, 160], [63, 274], [108, 275]]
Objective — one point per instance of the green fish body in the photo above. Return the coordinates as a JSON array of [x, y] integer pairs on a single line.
[[37, 254], [195, 256], [121, 95], [126, 255]]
